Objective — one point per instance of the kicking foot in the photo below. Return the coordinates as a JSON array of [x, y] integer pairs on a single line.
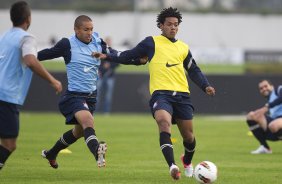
[[174, 172], [101, 154], [188, 169], [53, 163]]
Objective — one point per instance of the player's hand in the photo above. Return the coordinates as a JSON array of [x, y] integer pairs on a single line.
[[99, 55], [210, 90], [143, 60], [57, 85]]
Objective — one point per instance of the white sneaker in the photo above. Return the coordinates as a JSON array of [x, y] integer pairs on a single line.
[[262, 150], [101, 152], [188, 169], [174, 172]]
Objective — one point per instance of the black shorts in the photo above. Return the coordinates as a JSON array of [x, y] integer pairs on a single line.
[[269, 135], [9, 120], [178, 104], [72, 102]]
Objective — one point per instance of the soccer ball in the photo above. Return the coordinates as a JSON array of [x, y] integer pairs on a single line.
[[205, 172]]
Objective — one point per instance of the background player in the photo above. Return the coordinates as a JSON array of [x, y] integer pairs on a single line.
[[170, 102], [267, 126]]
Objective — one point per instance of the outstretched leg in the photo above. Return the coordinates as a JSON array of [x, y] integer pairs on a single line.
[[98, 150], [65, 140], [163, 119], [189, 142]]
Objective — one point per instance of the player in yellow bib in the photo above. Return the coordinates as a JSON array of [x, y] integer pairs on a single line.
[[170, 102]]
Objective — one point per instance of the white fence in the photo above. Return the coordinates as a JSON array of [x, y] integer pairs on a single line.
[[212, 37]]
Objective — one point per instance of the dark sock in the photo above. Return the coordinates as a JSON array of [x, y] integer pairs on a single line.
[[278, 134], [167, 148], [258, 132], [64, 141], [4, 155], [91, 141], [189, 151]]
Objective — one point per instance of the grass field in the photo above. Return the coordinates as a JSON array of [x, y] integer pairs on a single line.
[[134, 155]]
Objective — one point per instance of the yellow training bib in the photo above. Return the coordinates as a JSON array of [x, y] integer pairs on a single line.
[[166, 66]]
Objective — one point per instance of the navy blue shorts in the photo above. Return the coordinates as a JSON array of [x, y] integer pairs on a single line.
[[178, 104], [72, 102], [9, 120], [269, 135]]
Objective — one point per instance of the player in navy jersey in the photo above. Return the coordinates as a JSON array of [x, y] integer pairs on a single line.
[[17, 63], [266, 122], [170, 102], [78, 102]]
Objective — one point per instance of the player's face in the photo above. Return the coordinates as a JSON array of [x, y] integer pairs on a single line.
[[265, 88], [84, 32], [170, 27]]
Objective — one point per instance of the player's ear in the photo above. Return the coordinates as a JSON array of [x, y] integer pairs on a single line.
[[161, 27]]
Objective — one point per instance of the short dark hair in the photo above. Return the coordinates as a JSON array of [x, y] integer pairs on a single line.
[[82, 18], [19, 13], [168, 12], [268, 81]]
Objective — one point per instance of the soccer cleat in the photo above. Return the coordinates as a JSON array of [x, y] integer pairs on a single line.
[[174, 172], [53, 163], [261, 150], [101, 153], [188, 169]]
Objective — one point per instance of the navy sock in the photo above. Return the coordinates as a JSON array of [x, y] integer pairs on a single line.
[[64, 141], [167, 148], [258, 132], [189, 151], [91, 141], [4, 155]]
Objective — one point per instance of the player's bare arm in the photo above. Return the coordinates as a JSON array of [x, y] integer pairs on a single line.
[[31, 62]]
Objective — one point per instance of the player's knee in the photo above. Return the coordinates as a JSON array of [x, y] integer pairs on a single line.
[[11, 147], [189, 138], [163, 124], [250, 115], [273, 127]]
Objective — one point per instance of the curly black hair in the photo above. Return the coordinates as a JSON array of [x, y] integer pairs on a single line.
[[168, 12]]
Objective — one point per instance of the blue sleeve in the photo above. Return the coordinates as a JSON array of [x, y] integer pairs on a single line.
[[278, 100], [195, 73], [132, 57], [61, 49]]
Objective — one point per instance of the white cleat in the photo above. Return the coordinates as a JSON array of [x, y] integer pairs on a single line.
[[262, 150], [188, 169], [174, 172], [101, 152]]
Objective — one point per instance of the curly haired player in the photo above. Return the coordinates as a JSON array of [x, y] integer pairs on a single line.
[[170, 101]]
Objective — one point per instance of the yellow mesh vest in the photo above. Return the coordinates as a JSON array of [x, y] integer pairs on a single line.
[[166, 67]]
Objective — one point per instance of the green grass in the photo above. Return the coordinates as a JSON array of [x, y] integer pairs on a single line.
[[134, 155], [57, 65]]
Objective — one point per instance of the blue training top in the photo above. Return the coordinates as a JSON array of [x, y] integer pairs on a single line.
[[15, 76], [82, 68]]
